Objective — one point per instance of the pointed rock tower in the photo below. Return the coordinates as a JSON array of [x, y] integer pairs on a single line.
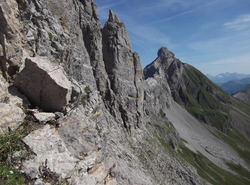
[[124, 71]]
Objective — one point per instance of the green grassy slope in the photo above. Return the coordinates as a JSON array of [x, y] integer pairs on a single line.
[[203, 99]]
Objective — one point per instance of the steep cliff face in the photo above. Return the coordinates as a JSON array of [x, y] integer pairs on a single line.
[[124, 72], [12, 40], [113, 126]]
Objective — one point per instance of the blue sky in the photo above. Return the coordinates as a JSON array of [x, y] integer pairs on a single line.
[[213, 36]]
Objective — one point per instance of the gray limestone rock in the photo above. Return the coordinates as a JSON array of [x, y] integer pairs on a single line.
[[72, 151], [50, 149], [3, 88], [157, 91], [91, 29], [44, 117], [124, 71], [11, 38], [165, 53], [78, 135], [11, 116], [11, 112], [44, 83], [243, 95]]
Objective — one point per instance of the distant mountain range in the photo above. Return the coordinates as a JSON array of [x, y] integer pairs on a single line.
[[226, 77], [234, 86], [231, 82]]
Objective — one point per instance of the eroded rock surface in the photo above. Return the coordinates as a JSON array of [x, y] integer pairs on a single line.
[[11, 113], [124, 71], [12, 39], [72, 151]]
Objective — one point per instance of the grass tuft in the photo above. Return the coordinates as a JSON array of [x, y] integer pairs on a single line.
[[85, 98], [10, 144]]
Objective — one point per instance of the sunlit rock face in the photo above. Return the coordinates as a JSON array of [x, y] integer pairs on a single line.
[[124, 71]]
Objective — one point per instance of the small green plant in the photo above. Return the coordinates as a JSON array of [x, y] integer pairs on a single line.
[[11, 176], [161, 114], [86, 97], [64, 181], [87, 90], [50, 36], [49, 24]]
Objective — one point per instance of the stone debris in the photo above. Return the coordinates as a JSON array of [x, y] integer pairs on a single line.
[[44, 117]]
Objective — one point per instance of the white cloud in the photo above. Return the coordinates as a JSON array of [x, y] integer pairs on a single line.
[[185, 7], [241, 23]]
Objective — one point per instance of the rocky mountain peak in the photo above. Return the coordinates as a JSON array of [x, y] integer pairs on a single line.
[[113, 17], [164, 52], [124, 73]]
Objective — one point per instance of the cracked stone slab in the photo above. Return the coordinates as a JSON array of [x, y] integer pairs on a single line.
[[44, 83], [49, 147]]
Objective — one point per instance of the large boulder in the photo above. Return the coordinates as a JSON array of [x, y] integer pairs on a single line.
[[44, 83]]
